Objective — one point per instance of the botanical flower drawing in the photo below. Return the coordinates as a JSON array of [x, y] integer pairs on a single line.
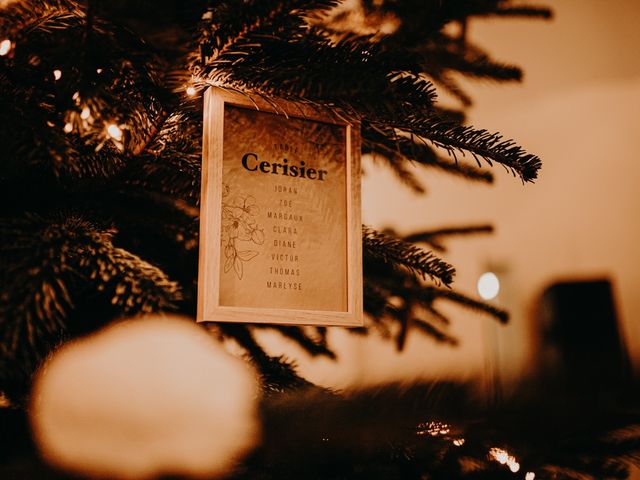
[[239, 227]]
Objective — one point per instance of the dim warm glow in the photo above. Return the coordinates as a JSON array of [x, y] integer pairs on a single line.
[[68, 127], [57, 74], [502, 456], [76, 393], [86, 113], [530, 476], [5, 46], [488, 286], [433, 428], [191, 91], [458, 442], [114, 132]]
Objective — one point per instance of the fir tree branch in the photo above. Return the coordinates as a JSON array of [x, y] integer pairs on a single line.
[[315, 69], [375, 298], [51, 261], [432, 15], [392, 293], [392, 250], [242, 334], [272, 65], [399, 169], [397, 148], [447, 82], [432, 237], [234, 22], [171, 160], [454, 138], [434, 332], [26, 17], [442, 53], [437, 315], [126, 88], [530, 11], [311, 346], [278, 375], [429, 294]]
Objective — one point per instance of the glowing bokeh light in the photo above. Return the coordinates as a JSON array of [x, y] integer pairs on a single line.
[[488, 286], [114, 132], [504, 458], [5, 46], [433, 428]]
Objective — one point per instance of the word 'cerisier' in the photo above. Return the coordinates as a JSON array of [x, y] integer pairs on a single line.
[[250, 162]]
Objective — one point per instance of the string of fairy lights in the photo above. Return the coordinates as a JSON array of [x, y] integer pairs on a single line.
[[496, 454], [82, 119]]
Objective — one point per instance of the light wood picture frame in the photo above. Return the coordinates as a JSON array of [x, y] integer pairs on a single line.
[[280, 218]]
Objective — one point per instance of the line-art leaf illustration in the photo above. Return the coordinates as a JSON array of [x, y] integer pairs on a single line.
[[247, 255], [239, 225]]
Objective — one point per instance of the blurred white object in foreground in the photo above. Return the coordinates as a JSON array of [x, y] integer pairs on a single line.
[[145, 398]]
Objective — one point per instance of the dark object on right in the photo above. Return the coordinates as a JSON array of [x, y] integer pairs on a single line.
[[581, 343]]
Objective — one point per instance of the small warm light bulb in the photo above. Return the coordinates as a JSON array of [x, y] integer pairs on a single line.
[[98, 71], [114, 131], [499, 455], [5, 46], [458, 442], [68, 127], [530, 476], [514, 467], [191, 91], [57, 74], [85, 114], [488, 286]]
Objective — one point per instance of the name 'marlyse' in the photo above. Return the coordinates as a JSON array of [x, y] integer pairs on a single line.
[[250, 162]]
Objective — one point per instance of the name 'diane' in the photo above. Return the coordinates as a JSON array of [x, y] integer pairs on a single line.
[[250, 162]]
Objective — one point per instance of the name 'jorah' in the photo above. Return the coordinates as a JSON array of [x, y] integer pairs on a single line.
[[251, 163]]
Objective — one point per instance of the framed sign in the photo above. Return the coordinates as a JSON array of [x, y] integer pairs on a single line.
[[280, 227]]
